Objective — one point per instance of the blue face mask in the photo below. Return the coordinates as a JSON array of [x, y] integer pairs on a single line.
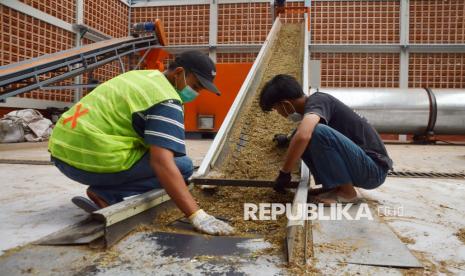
[[187, 94]]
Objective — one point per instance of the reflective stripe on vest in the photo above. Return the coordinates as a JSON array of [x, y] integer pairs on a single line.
[[96, 134]]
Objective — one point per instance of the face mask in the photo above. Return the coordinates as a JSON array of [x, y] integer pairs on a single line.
[[294, 116], [187, 94]]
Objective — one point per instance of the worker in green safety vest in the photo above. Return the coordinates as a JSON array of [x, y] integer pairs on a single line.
[[127, 137]]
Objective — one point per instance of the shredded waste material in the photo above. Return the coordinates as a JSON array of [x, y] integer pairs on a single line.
[[430, 267], [227, 203], [258, 159], [461, 235], [407, 240], [108, 258], [340, 247]]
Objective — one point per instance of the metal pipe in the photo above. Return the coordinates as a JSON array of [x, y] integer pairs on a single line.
[[451, 111], [406, 111]]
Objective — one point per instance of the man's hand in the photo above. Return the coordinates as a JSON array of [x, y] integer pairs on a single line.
[[208, 224], [283, 180], [281, 140]]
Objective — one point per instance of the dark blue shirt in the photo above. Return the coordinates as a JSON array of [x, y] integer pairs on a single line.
[[342, 118], [162, 125]]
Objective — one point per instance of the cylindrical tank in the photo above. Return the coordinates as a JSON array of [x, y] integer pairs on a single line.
[[406, 111], [451, 111]]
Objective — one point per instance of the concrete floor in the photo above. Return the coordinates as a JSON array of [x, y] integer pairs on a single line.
[[35, 201], [196, 149], [421, 158]]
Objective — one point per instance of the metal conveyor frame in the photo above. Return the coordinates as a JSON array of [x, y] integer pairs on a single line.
[[67, 64]]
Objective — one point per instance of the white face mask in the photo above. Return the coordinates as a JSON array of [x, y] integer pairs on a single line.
[[295, 117], [292, 116]]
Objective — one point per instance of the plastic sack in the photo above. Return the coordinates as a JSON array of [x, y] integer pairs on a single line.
[[24, 125]]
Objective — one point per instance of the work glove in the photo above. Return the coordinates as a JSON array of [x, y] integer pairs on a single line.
[[208, 224], [283, 180], [281, 140]]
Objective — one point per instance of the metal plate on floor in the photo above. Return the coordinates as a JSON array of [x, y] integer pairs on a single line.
[[82, 232], [189, 246], [365, 242]]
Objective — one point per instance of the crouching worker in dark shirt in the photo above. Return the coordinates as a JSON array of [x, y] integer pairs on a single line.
[[341, 149]]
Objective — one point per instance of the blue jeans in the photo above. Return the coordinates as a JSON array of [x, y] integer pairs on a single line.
[[114, 187], [335, 160]]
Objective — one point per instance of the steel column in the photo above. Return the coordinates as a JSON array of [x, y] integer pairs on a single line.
[[213, 29], [79, 20], [129, 17], [404, 43], [404, 71]]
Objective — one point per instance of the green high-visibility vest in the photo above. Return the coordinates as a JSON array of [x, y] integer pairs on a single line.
[[96, 134]]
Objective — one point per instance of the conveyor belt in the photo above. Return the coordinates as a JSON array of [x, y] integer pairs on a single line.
[[221, 146], [38, 72]]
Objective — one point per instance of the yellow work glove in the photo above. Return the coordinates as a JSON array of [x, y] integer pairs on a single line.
[[208, 224]]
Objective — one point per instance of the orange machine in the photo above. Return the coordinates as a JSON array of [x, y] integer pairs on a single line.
[[207, 112], [281, 9]]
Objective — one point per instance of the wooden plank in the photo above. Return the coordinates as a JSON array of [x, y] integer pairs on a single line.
[[308, 250], [25, 162], [296, 229], [295, 235], [238, 182]]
